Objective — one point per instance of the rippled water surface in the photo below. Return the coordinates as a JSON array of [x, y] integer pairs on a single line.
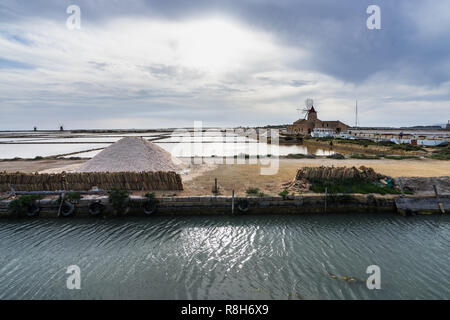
[[227, 257]]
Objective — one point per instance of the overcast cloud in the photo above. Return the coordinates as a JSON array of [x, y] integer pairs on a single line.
[[150, 64]]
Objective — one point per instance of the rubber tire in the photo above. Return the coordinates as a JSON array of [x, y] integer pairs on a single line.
[[69, 212], [33, 210], [150, 207], [95, 209], [243, 205]]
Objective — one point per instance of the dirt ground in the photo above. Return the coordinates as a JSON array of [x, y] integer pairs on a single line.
[[39, 166], [199, 180], [242, 177]]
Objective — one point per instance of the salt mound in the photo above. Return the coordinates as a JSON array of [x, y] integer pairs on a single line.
[[132, 154]]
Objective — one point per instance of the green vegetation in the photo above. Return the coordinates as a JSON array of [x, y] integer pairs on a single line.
[[442, 153], [71, 197], [364, 156], [407, 147], [300, 156], [284, 194], [20, 205], [351, 186], [337, 156], [118, 199], [401, 157], [150, 197], [254, 192], [367, 142]]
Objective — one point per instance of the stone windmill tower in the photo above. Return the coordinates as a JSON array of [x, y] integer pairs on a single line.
[[309, 111]]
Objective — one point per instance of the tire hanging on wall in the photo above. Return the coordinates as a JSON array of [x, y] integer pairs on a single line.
[[243, 205], [150, 207], [95, 209], [67, 209], [32, 210]]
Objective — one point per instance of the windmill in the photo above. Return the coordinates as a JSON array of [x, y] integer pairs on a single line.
[[308, 105]]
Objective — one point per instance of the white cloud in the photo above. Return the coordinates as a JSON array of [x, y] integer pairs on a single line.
[[216, 69]]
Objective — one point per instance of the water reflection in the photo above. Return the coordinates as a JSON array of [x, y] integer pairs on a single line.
[[227, 257]]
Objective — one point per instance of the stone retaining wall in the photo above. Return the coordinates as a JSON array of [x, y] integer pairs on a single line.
[[210, 205]]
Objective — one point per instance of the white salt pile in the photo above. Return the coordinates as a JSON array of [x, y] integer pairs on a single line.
[[132, 154]]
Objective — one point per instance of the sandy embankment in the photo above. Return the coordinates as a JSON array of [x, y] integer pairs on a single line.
[[199, 179], [242, 177]]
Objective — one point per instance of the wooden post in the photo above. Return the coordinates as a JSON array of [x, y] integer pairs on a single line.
[[62, 201], [326, 191], [215, 186], [232, 201], [440, 204]]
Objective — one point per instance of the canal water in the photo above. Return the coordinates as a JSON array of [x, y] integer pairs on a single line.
[[227, 257]]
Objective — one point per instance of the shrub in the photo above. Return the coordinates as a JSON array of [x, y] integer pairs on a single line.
[[284, 194], [20, 205], [442, 153], [118, 199], [151, 197], [336, 156], [364, 156], [351, 186], [300, 156], [401, 157], [252, 191]]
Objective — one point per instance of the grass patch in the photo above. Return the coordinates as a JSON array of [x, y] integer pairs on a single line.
[[300, 156], [336, 156], [255, 192], [284, 194], [20, 205], [364, 156], [118, 199], [407, 147], [367, 142], [443, 153], [351, 186], [401, 157]]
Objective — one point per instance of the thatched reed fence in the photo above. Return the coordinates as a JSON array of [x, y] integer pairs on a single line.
[[85, 181], [337, 173]]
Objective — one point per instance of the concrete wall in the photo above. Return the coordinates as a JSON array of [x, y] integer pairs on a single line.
[[223, 205]]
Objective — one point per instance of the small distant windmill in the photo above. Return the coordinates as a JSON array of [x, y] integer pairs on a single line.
[[309, 103]]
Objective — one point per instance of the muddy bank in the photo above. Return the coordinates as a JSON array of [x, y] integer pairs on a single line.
[[356, 148]]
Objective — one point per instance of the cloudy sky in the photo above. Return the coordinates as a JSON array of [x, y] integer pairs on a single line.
[[152, 64]]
